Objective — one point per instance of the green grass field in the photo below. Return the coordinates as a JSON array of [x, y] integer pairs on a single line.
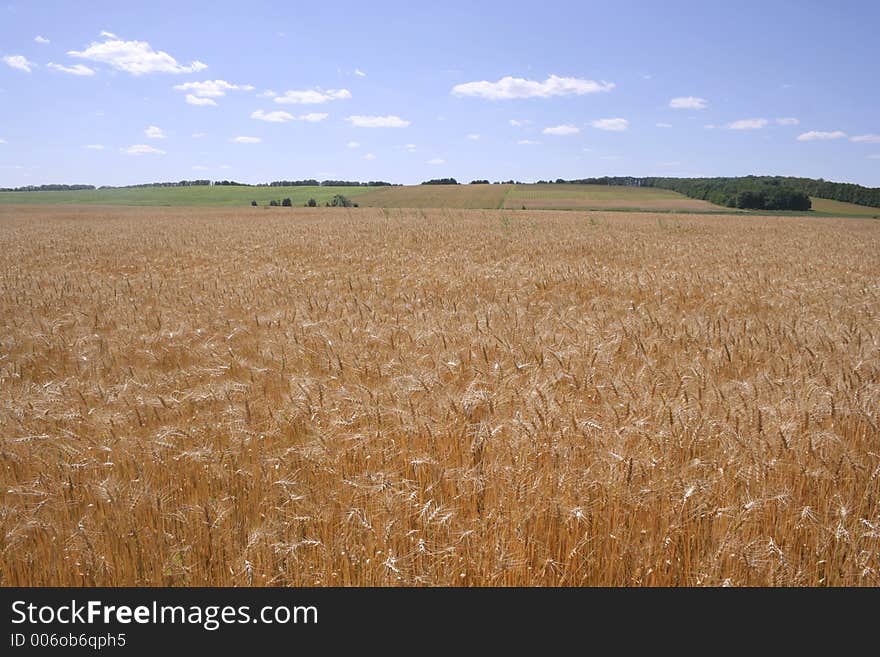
[[841, 209], [436, 196], [601, 197], [221, 195], [514, 197]]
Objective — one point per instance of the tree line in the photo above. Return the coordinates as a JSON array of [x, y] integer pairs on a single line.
[[753, 192], [338, 201], [46, 188], [199, 183]]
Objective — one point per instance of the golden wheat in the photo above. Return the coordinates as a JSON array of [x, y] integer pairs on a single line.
[[437, 397]]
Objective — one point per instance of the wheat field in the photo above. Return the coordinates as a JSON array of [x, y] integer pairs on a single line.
[[437, 397]]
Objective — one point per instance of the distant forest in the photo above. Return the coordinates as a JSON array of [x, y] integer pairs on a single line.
[[202, 183], [751, 192]]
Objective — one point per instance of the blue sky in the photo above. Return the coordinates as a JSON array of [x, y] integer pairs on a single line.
[[121, 92]]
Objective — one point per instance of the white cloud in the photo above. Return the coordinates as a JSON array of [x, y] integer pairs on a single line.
[[818, 135], [273, 117], [76, 69], [663, 125], [19, 62], [134, 57], [527, 142], [353, 144], [358, 72], [154, 132], [200, 102], [283, 117], [246, 140], [390, 121], [3, 141], [267, 94], [199, 135], [866, 139], [95, 147], [747, 124], [614, 125], [509, 87], [108, 35], [312, 96], [142, 149], [519, 123], [225, 166], [369, 156], [436, 160], [788, 121], [410, 148], [211, 88], [688, 102], [710, 126], [474, 136], [41, 39], [561, 130]]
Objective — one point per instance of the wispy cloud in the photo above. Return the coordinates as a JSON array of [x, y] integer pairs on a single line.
[[663, 125], [200, 102], [369, 156], [312, 96], [689, 102], [788, 121], [199, 167], [561, 130], [211, 88], [41, 39], [509, 87], [874, 156], [76, 69], [199, 135], [353, 144], [748, 124], [203, 93], [134, 57], [527, 142], [436, 160], [358, 72], [95, 147], [409, 148], [154, 132], [474, 136], [613, 125], [519, 123], [866, 139], [246, 140], [818, 135], [283, 117], [273, 117], [142, 149], [19, 62], [390, 121]]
